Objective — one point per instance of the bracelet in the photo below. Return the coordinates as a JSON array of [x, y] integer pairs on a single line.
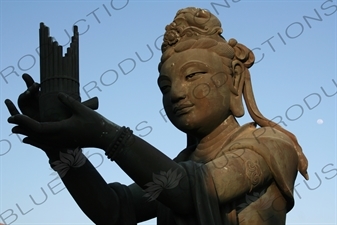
[[121, 137]]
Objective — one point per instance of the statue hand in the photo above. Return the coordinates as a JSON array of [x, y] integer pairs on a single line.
[[28, 101], [85, 128]]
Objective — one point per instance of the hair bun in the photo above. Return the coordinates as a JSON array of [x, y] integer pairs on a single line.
[[242, 53]]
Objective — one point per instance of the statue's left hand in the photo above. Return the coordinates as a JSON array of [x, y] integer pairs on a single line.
[[85, 128]]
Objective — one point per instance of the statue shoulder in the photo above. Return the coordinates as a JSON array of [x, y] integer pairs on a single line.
[[277, 150], [274, 146], [262, 137]]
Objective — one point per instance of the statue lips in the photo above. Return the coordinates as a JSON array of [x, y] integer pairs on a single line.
[[182, 109]]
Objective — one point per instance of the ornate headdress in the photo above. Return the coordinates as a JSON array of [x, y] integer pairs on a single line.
[[198, 28], [192, 23]]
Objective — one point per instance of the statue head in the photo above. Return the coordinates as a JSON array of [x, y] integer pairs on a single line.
[[206, 77], [199, 29]]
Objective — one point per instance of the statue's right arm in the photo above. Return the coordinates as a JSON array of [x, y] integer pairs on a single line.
[[100, 202]]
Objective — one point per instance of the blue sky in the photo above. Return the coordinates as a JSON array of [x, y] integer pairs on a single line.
[[294, 79]]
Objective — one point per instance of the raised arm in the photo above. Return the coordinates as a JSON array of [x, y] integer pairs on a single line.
[[100, 201], [107, 203], [92, 194], [87, 128]]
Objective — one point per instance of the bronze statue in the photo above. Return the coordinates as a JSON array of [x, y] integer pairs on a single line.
[[227, 174]]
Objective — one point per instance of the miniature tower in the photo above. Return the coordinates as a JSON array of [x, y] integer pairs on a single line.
[[58, 73]]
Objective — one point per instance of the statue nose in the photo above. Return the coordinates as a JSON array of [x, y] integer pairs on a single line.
[[178, 93]]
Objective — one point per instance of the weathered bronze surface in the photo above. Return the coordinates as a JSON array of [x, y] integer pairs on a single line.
[[227, 174]]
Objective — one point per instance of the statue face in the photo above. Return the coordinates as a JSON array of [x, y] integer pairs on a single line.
[[196, 94]]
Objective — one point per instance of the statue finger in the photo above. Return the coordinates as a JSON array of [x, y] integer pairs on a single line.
[[28, 94], [36, 140], [37, 144], [70, 102], [28, 79], [29, 141], [33, 89], [30, 124], [20, 130], [11, 107]]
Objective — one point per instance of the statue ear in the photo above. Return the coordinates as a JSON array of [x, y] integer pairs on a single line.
[[238, 79]]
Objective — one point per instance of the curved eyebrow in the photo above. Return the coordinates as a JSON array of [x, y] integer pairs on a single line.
[[195, 63]]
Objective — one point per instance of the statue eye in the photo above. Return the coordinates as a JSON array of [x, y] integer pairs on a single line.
[[164, 84], [191, 75], [165, 88]]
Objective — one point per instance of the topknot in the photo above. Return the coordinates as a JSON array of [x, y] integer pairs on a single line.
[[191, 23]]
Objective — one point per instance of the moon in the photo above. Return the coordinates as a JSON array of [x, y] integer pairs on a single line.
[[320, 121]]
